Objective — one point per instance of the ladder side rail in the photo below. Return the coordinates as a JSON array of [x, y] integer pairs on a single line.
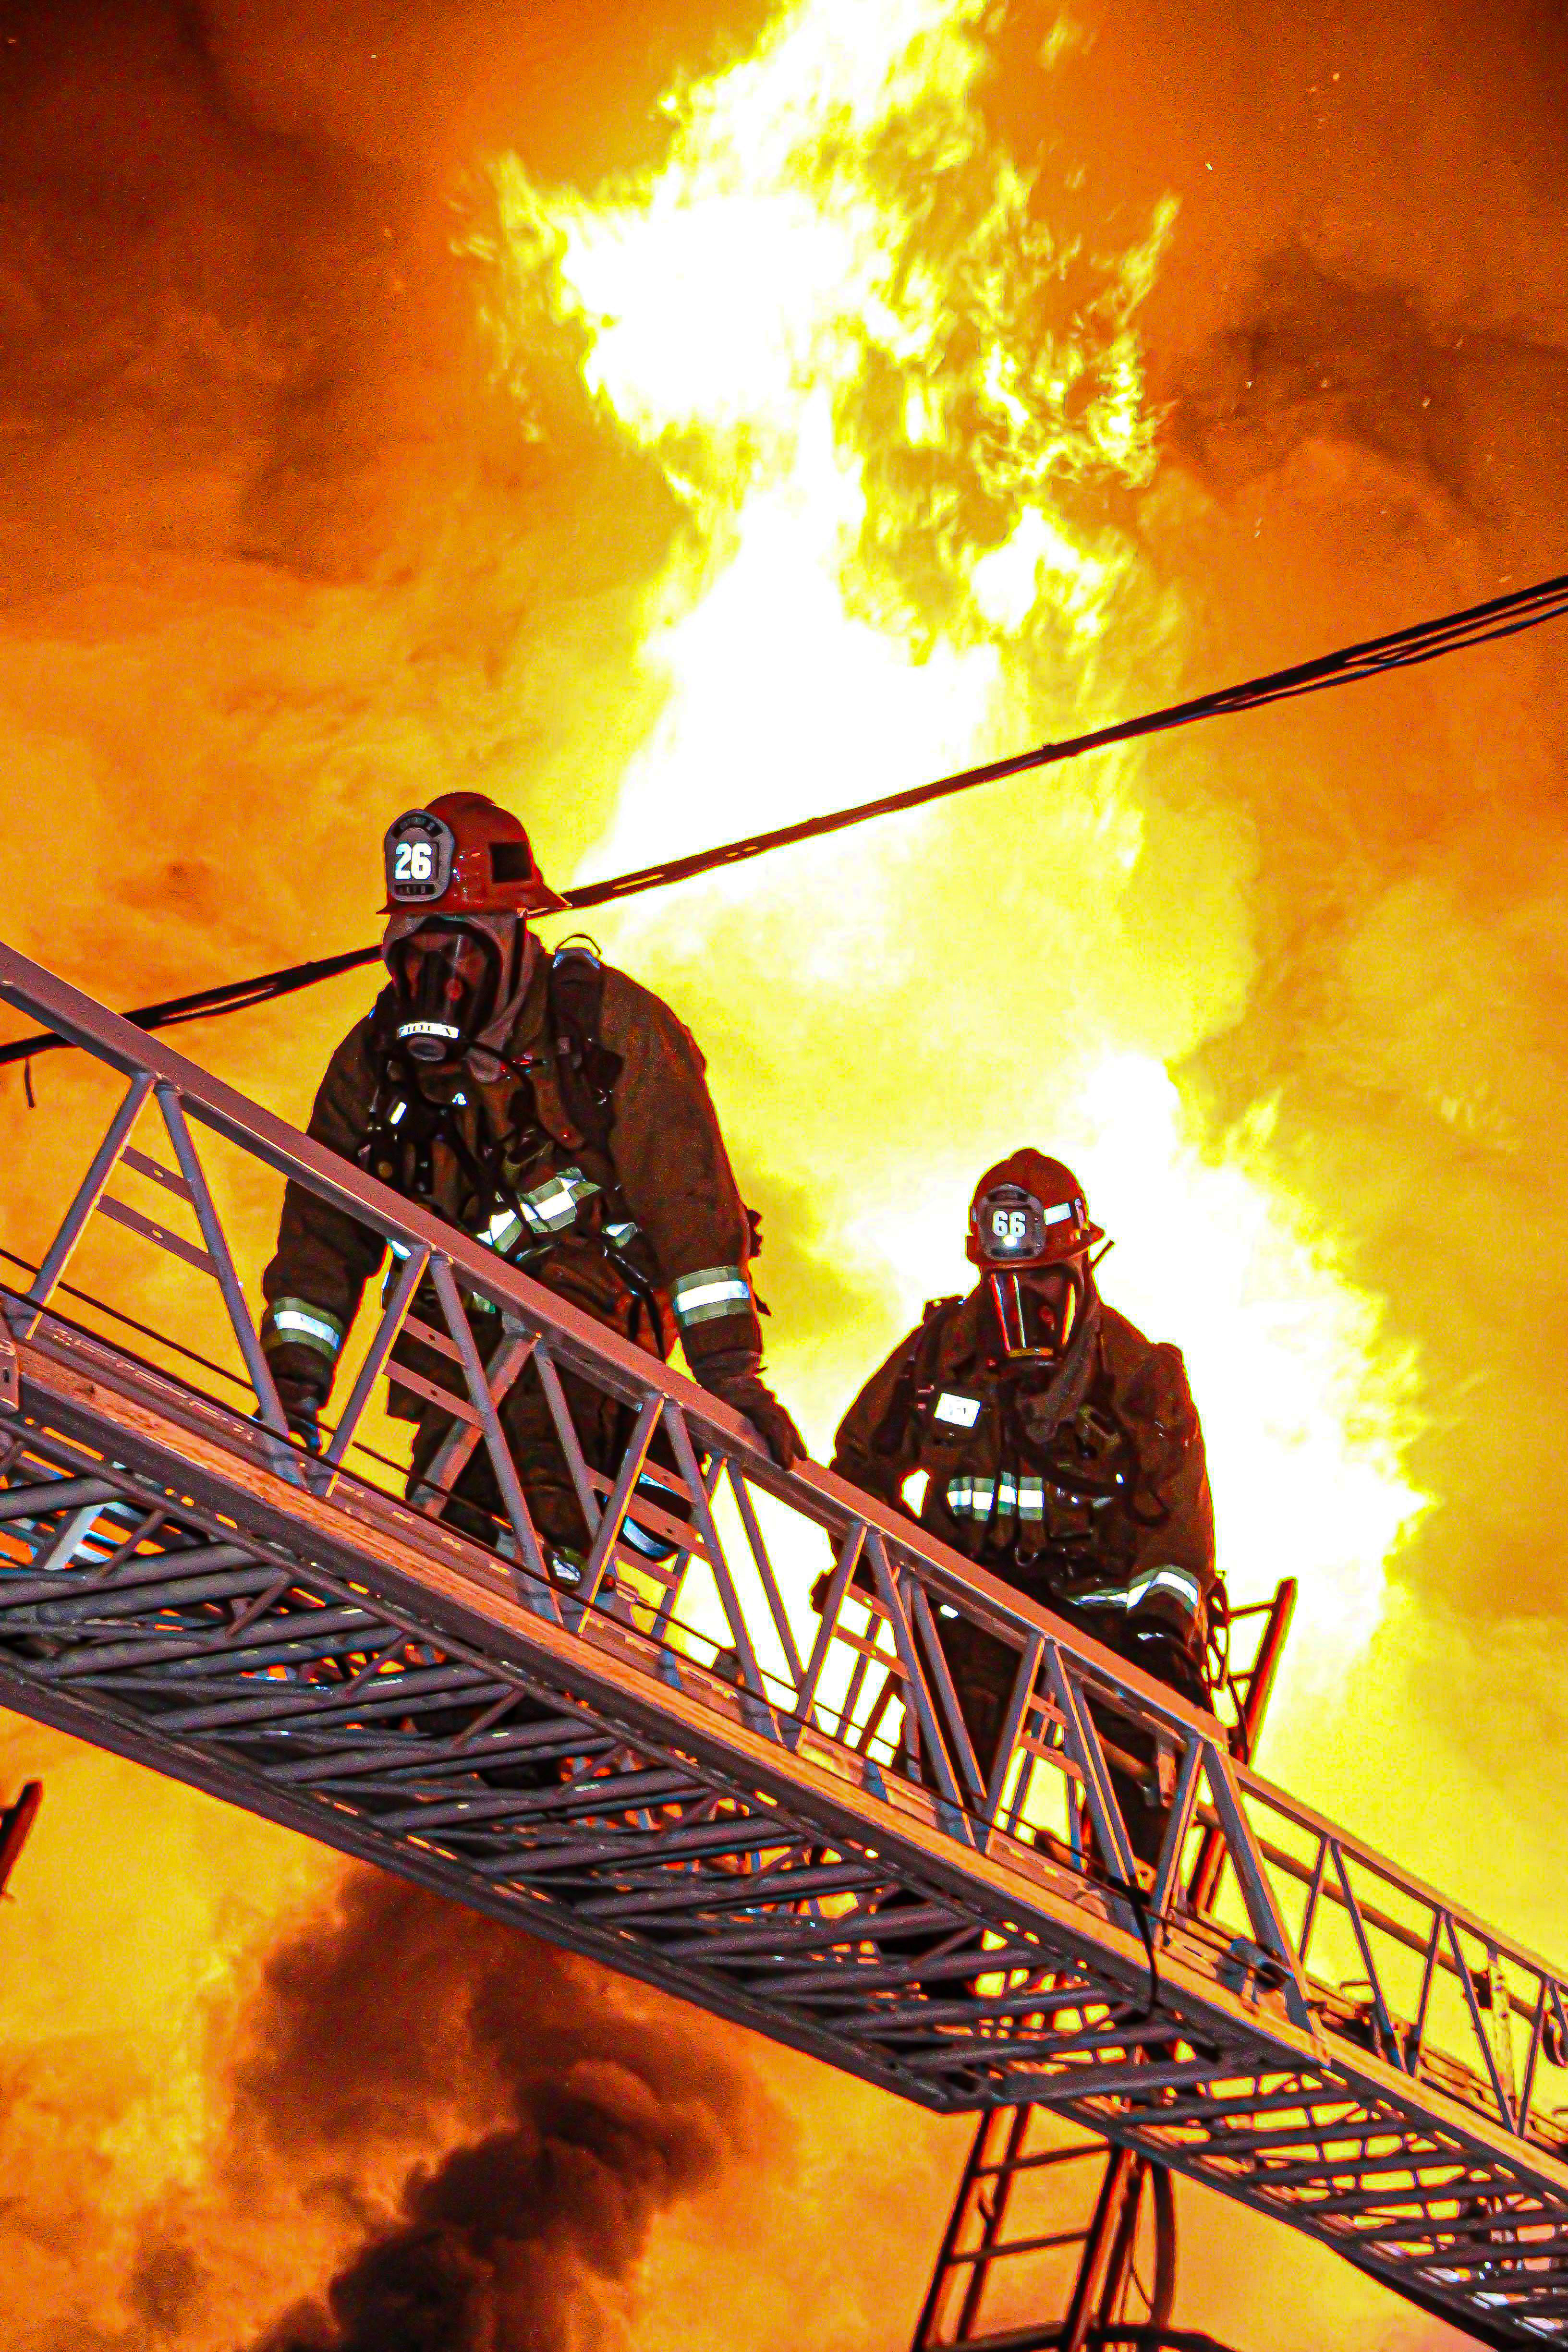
[[394, 1314], [900, 1553], [199, 1195], [89, 1193], [609, 1360], [1333, 1880], [1119, 2103], [1254, 1784], [1302, 1816]]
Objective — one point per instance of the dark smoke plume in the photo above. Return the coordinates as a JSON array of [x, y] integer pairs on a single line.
[[397, 2011]]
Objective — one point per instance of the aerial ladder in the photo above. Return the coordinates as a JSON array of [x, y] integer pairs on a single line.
[[659, 1768]]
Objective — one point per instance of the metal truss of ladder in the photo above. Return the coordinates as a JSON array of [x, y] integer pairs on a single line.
[[1007, 2234], [777, 1817]]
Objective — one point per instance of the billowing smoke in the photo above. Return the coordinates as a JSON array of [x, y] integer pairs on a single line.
[[467, 2137], [399, 2009]]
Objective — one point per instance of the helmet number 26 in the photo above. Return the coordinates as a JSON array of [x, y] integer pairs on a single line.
[[413, 861]]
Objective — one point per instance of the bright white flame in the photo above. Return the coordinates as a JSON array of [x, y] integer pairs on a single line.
[[827, 317]]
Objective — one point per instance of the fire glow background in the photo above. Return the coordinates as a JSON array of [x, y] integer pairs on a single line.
[[672, 425]]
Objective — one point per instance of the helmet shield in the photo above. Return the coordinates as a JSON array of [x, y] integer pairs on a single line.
[[1037, 1309], [446, 985], [1010, 1226], [419, 853]]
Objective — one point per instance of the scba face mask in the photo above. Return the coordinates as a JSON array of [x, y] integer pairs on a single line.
[[1039, 1310], [1031, 1250], [448, 981]]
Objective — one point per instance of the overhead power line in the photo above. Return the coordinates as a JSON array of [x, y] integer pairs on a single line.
[[1503, 616]]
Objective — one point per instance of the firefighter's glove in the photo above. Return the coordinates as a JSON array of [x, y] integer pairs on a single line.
[[301, 1405], [734, 1381]]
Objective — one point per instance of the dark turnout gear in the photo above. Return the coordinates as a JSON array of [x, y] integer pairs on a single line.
[[581, 1146], [733, 1380], [1078, 1477]]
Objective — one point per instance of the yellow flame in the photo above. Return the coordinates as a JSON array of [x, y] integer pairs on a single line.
[[900, 412]]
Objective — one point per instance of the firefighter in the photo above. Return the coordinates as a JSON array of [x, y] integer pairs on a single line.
[[549, 1107], [1061, 1452]]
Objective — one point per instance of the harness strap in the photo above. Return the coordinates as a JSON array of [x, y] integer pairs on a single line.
[[914, 1373], [586, 1069]]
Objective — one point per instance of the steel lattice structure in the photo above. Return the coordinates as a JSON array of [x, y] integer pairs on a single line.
[[791, 1830], [1121, 2288]]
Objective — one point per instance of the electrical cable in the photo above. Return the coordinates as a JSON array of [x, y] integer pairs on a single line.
[[1501, 617]]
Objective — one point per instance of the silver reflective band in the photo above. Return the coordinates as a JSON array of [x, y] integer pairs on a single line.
[[502, 1230], [399, 1110], [1054, 1216], [963, 1411], [550, 1208], [296, 1323], [1187, 1588], [621, 1233], [972, 1497], [426, 1029], [711, 1292]]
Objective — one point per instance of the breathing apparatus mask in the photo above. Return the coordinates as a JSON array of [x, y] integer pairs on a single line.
[[1038, 1311], [1030, 1236], [452, 977]]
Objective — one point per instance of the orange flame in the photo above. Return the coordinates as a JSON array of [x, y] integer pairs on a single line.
[[839, 322]]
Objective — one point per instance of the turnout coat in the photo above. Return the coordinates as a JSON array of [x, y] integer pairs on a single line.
[[642, 1226], [1094, 1514]]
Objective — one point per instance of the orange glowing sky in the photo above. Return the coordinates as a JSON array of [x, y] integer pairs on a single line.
[[677, 424]]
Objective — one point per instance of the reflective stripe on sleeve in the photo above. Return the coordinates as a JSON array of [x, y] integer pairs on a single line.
[[1180, 1581], [1187, 1588], [711, 1292], [295, 1323]]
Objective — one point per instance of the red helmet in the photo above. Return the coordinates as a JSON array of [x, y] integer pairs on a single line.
[[1030, 1233], [463, 855], [1029, 1211]]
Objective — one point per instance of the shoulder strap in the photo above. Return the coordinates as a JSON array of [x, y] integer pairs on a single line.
[[915, 1372], [586, 1069]]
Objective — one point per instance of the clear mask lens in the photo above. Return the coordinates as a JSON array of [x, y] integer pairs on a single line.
[[446, 985], [1037, 1311]]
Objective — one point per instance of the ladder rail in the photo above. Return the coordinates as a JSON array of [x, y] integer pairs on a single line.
[[293, 1637]]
